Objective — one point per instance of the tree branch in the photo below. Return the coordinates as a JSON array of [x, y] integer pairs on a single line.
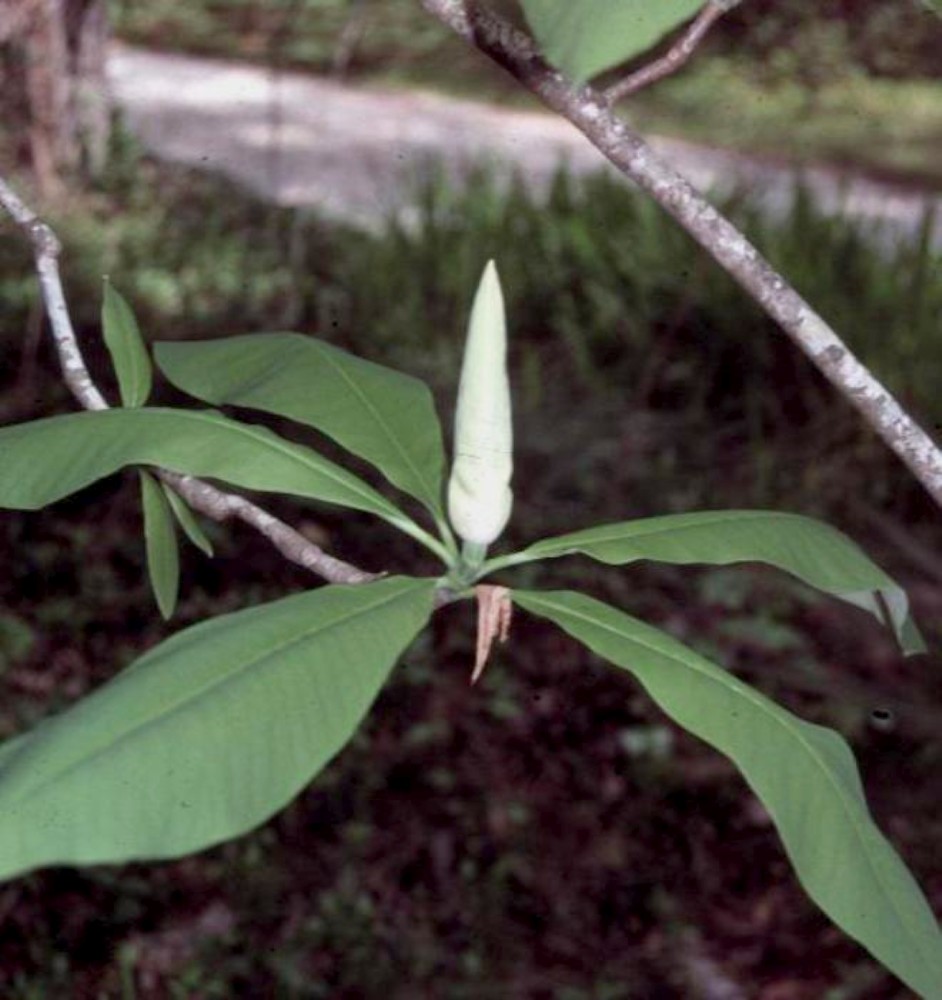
[[208, 500], [588, 110], [675, 57], [46, 248]]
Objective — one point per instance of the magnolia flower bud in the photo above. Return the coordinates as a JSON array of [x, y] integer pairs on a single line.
[[479, 496]]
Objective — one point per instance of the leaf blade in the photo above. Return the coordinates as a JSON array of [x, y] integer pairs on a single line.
[[377, 413], [46, 460], [804, 774], [160, 540], [586, 37], [126, 346], [187, 521], [810, 550], [207, 735]]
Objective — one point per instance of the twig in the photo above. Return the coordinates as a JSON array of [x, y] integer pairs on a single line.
[[208, 500], [675, 57], [588, 110], [46, 248]]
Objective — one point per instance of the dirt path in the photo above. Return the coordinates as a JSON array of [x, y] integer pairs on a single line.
[[355, 151]]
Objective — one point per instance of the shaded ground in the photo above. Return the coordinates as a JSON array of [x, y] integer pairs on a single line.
[[546, 835], [543, 835], [353, 152]]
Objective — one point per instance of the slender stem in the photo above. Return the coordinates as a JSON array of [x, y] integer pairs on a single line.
[[675, 57], [221, 506], [506, 561], [589, 111], [447, 536], [474, 554], [468, 568], [208, 500], [408, 527]]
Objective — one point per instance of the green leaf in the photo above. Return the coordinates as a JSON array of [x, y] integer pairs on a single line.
[[126, 346], [187, 520], [207, 735], [46, 460], [10, 747], [379, 414], [160, 538], [814, 552], [804, 774], [586, 37]]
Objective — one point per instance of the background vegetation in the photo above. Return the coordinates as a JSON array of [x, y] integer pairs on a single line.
[[545, 834], [850, 81]]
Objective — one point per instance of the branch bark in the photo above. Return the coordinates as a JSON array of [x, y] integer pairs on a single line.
[[589, 111], [208, 500], [675, 57]]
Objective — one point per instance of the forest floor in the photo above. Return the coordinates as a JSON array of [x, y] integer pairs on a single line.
[[354, 151]]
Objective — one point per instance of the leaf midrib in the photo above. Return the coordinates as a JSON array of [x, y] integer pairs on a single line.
[[182, 703], [579, 546], [297, 453], [785, 723], [136, 352], [135, 380], [627, 533], [140, 369], [430, 495]]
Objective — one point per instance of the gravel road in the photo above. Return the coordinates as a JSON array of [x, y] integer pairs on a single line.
[[354, 151]]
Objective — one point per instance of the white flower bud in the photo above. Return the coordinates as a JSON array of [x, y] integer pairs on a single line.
[[479, 496]]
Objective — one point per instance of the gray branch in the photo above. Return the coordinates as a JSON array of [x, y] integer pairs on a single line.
[[675, 57], [589, 111], [207, 499]]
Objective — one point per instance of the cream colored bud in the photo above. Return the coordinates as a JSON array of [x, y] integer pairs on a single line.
[[479, 496]]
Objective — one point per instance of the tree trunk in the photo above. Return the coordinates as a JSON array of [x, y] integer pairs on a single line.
[[59, 49], [88, 41], [51, 127]]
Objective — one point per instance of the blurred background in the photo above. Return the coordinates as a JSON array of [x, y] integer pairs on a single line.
[[547, 833]]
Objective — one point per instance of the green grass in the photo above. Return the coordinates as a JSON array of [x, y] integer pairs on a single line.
[[839, 114], [889, 127], [394, 40]]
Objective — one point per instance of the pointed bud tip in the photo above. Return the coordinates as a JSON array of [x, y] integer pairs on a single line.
[[487, 311]]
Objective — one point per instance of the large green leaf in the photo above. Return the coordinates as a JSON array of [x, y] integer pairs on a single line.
[[585, 37], [813, 551], [46, 460], [126, 346], [804, 774], [207, 735], [379, 414], [160, 541]]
